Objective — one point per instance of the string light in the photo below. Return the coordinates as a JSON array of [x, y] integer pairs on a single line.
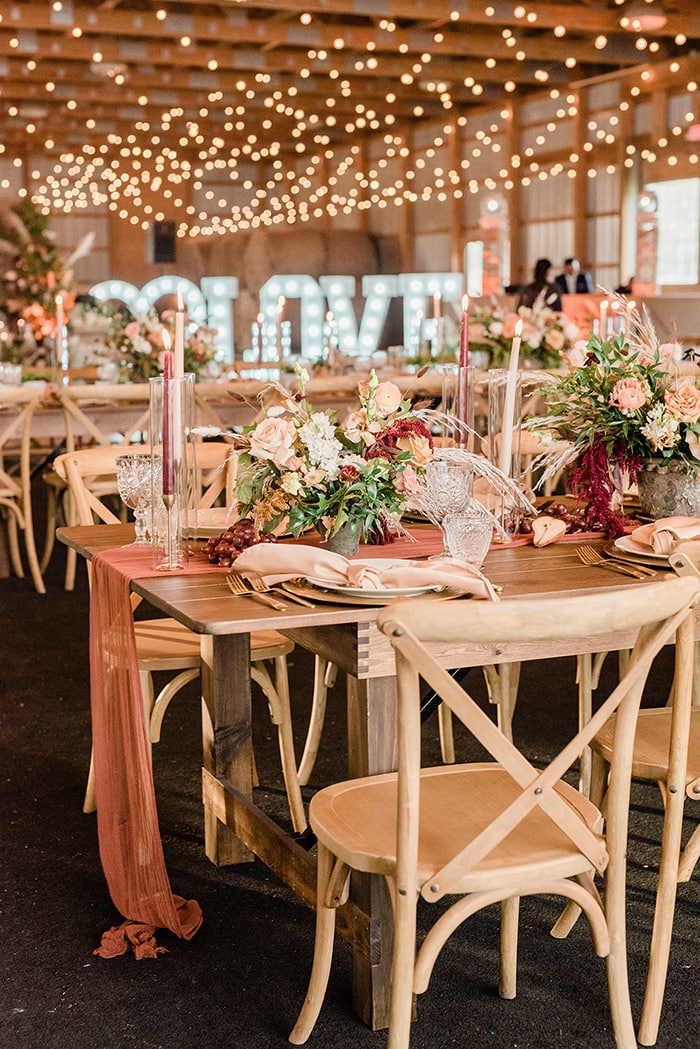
[[131, 186]]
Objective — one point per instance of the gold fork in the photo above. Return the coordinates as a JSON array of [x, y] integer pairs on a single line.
[[261, 587], [590, 556], [238, 585]]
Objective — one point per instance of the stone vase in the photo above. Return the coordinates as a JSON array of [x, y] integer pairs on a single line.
[[668, 490], [346, 540]]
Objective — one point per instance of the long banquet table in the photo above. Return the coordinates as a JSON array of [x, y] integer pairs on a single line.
[[235, 827]]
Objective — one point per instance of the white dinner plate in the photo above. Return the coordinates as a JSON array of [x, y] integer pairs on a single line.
[[378, 563], [627, 545]]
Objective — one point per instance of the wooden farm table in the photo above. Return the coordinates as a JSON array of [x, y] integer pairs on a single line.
[[235, 827]]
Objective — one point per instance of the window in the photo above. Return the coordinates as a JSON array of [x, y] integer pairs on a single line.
[[678, 216]]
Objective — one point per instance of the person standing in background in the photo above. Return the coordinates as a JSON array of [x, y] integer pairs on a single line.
[[541, 289], [573, 281]]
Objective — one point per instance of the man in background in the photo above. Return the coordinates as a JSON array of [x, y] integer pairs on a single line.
[[573, 281]]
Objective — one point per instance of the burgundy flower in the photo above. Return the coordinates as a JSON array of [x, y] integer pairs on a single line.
[[349, 473]]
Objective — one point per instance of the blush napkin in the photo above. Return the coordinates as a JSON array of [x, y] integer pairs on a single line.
[[276, 563], [667, 533]]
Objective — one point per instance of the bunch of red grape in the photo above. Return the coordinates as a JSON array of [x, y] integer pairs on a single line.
[[574, 517], [224, 548]]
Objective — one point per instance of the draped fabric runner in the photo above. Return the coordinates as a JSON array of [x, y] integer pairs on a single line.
[[127, 820]]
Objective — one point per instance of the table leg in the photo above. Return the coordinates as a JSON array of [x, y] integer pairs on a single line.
[[226, 734], [372, 749]]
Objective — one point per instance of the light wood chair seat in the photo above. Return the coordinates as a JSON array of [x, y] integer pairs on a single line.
[[475, 835], [651, 744], [366, 811]]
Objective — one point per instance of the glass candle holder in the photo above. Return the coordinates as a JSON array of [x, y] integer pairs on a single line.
[[505, 410], [172, 407]]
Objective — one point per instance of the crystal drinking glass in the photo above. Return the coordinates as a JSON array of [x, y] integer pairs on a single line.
[[134, 485], [448, 489]]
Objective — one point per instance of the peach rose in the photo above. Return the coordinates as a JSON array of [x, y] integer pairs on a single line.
[[273, 439], [684, 403], [386, 398], [418, 446], [628, 395]]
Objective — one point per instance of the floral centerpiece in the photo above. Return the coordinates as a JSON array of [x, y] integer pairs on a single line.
[[546, 335], [623, 403], [36, 273], [136, 344], [299, 467]]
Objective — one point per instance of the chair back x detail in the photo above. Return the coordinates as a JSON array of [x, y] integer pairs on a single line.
[[17, 406]]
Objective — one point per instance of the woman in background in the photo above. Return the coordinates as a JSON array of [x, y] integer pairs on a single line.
[[541, 289]]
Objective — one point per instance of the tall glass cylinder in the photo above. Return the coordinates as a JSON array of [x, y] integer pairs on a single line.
[[457, 405], [505, 411], [173, 471]]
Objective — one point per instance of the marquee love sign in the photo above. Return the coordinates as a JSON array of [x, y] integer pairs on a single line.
[[213, 303]]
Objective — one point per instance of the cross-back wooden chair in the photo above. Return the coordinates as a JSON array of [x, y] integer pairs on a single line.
[[165, 645], [490, 832], [655, 759], [94, 415], [17, 406]]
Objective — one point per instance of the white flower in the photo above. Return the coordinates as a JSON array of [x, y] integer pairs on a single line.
[[318, 435], [661, 429], [291, 483]]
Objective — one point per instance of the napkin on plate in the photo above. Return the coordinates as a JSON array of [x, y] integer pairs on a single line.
[[664, 535], [276, 563]]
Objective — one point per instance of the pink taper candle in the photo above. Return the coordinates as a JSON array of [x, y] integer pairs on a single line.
[[168, 434]]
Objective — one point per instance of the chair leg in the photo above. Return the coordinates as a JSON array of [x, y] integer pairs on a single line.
[[52, 506], [13, 546], [90, 801], [502, 683], [584, 679], [324, 678], [510, 913], [662, 928], [162, 701], [447, 736], [323, 953], [689, 856], [277, 695], [402, 968], [30, 547]]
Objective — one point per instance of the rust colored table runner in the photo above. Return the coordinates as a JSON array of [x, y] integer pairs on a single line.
[[127, 820]]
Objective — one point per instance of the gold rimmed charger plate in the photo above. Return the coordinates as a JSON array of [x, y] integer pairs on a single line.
[[335, 597], [654, 561]]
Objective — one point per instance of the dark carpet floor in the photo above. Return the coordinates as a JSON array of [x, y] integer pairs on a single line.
[[241, 980]]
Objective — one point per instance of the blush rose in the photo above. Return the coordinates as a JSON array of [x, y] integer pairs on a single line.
[[628, 395], [273, 439]]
